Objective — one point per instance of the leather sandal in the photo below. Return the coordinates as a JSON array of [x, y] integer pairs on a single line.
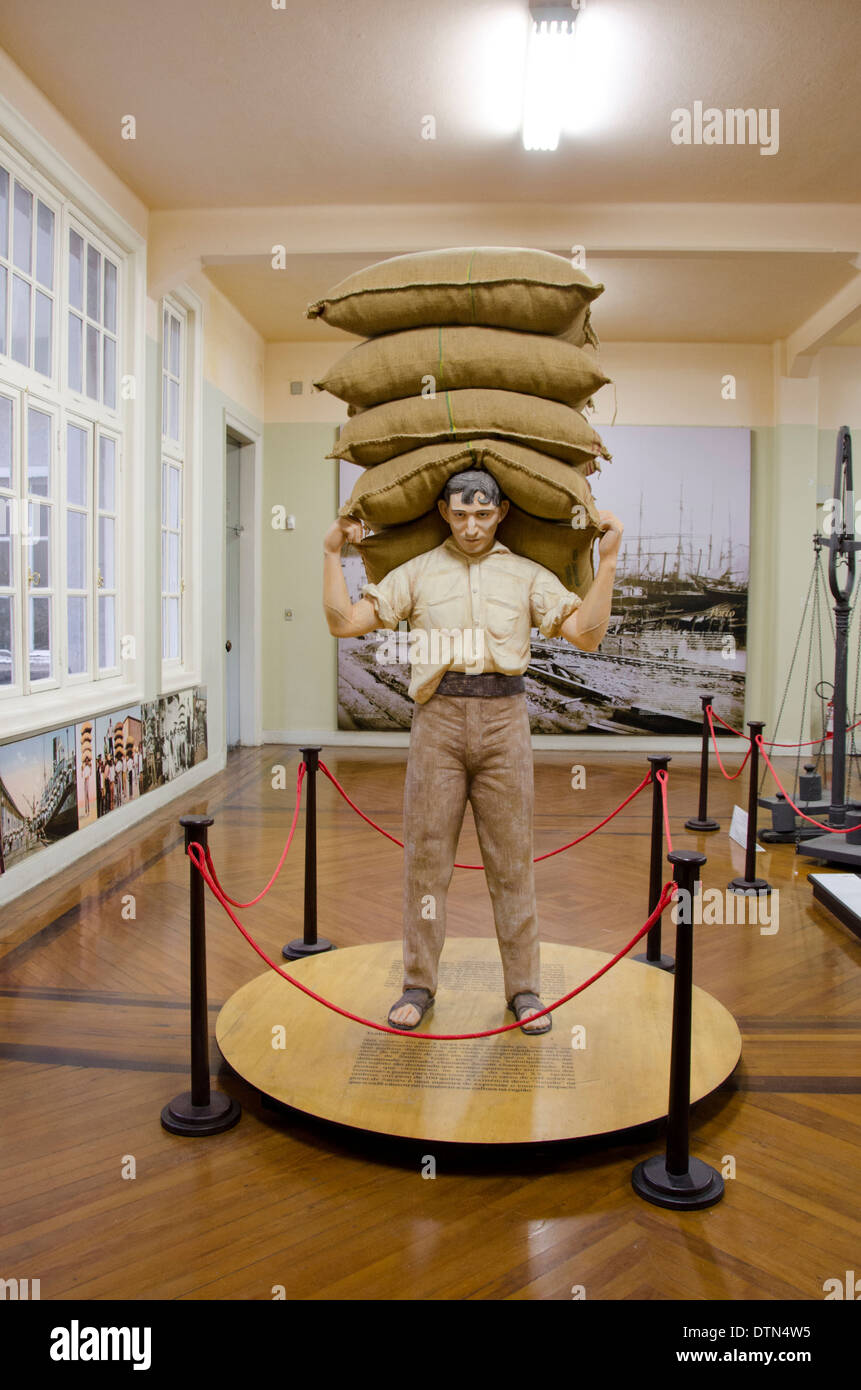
[[421, 999], [518, 1006]]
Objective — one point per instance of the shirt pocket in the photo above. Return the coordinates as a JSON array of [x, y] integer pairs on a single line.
[[504, 616]]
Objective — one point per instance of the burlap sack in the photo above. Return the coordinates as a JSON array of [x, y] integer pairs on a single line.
[[375, 435], [396, 365], [406, 487], [499, 286], [556, 545]]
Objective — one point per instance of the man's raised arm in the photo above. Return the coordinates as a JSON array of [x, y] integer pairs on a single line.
[[586, 626], [344, 619]]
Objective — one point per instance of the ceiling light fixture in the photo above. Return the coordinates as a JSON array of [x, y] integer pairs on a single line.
[[548, 72]]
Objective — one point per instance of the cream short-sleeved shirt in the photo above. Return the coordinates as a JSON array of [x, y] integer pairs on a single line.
[[492, 601]]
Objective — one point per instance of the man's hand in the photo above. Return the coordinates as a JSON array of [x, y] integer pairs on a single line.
[[343, 531], [608, 545]]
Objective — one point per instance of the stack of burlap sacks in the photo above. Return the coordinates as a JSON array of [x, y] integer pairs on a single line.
[[475, 357]]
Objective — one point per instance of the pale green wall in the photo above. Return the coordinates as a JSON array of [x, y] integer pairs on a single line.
[[299, 657]]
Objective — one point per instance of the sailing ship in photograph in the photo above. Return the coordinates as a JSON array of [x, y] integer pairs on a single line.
[[679, 625]]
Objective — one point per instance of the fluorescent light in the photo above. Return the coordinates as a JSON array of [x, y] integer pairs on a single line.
[[549, 65]]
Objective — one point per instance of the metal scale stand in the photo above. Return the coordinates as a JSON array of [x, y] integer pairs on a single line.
[[840, 849]]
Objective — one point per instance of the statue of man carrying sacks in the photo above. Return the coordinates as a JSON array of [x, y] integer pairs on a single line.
[[470, 738]]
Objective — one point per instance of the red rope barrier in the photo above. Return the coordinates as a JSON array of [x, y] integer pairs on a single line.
[[770, 743], [199, 860], [832, 829], [209, 864], [737, 732], [730, 777], [537, 860], [664, 781]]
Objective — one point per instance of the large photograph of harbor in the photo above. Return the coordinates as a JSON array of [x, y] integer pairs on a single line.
[[679, 622]]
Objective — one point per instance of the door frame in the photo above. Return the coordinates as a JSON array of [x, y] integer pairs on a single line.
[[250, 575]]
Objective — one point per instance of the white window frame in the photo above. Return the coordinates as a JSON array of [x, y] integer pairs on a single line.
[[26, 154], [178, 672]]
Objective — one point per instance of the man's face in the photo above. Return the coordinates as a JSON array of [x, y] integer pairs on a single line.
[[473, 524]]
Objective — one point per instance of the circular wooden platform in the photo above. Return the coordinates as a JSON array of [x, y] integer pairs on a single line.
[[603, 1067]]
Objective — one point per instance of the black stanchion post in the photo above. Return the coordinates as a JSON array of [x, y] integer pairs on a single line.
[[200, 1110], [310, 944], [675, 1179], [703, 821], [652, 954], [750, 884]]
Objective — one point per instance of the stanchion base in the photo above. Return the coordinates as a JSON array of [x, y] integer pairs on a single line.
[[694, 824], [179, 1116], [701, 1186], [751, 887], [297, 950], [662, 963]]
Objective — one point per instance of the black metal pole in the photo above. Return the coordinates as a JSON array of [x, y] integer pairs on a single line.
[[842, 546], [675, 1179], [310, 944], [652, 954], [200, 1110], [703, 821], [837, 810], [750, 883]]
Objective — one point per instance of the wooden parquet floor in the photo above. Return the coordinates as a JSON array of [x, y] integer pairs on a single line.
[[94, 1041]]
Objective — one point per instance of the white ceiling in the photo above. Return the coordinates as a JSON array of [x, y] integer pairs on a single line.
[[238, 103], [242, 106]]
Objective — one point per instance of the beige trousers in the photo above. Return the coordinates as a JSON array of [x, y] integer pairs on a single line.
[[473, 748]]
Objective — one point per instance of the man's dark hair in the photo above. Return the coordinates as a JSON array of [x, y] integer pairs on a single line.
[[474, 481]]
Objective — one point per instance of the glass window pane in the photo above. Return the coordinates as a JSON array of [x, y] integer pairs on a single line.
[[164, 583], [76, 270], [165, 484], [45, 246], [40, 546], [76, 366], [110, 382], [5, 442], [106, 551], [173, 408], [173, 498], [5, 543], [165, 337], [173, 627], [94, 283], [7, 671], [44, 308], [172, 562], [164, 628], [41, 664], [92, 362], [107, 639], [164, 404], [107, 473], [76, 466], [76, 550], [174, 345], [3, 309], [38, 452], [110, 315], [4, 214], [23, 229], [20, 320], [77, 645]]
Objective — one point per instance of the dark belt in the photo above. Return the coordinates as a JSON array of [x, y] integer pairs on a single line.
[[490, 684]]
